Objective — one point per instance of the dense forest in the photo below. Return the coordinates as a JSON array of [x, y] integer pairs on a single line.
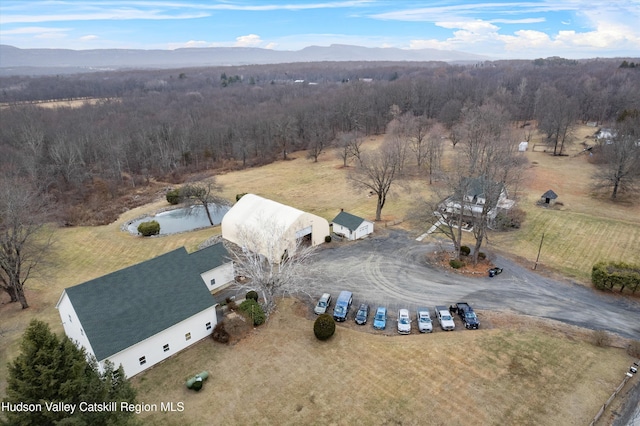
[[165, 124]]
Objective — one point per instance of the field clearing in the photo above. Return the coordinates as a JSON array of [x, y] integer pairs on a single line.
[[582, 231], [511, 375]]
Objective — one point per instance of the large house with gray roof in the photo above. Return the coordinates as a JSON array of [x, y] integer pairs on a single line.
[[143, 314]]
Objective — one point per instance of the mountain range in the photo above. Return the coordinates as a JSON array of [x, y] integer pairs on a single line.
[[14, 60]]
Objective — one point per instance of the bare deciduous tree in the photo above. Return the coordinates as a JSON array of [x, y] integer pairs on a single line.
[[24, 242], [376, 172], [202, 193], [619, 168], [556, 115], [266, 257]]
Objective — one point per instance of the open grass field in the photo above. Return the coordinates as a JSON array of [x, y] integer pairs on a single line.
[[282, 375]]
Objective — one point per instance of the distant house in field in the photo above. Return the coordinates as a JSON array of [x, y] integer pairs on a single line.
[[143, 314], [351, 227], [548, 198], [473, 199], [523, 146]]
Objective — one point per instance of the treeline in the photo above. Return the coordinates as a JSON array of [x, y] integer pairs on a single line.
[[165, 123]]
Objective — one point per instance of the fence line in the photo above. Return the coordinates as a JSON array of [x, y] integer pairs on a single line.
[[611, 398]]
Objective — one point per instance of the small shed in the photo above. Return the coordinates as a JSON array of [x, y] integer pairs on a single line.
[[351, 227], [549, 198], [524, 145]]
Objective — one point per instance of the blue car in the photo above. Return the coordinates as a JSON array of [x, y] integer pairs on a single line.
[[380, 319]]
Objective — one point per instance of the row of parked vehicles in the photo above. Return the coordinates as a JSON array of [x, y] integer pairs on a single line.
[[443, 314]]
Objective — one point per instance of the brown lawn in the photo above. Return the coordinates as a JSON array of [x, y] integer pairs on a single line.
[[281, 374]]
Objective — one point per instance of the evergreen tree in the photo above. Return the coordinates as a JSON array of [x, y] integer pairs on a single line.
[[50, 369]]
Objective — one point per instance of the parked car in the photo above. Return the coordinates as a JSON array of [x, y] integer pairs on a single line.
[[323, 304], [380, 319], [343, 303], [362, 314], [444, 318], [404, 321], [467, 315], [425, 325], [495, 271]]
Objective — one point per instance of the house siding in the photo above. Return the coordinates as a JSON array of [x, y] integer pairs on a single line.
[[71, 324], [152, 348], [223, 274]]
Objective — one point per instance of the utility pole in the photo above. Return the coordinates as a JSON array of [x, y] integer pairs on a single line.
[[539, 250]]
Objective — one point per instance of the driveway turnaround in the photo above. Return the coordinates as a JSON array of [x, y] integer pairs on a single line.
[[392, 270]]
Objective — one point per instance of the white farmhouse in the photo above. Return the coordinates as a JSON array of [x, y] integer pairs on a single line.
[[143, 314], [351, 227]]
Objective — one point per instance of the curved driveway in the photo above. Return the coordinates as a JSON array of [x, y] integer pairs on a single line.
[[391, 270]]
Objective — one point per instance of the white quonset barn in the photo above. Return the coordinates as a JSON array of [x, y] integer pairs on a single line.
[[262, 220], [143, 314], [351, 227]]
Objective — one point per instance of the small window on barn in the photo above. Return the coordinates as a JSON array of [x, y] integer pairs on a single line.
[[213, 281], [82, 332], [165, 347], [143, 360], [187, 336], [70, 320], [208, 326]]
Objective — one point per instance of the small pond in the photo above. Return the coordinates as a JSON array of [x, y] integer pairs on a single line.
[[181, 220]]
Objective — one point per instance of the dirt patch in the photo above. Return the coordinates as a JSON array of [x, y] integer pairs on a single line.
[[441, 259]]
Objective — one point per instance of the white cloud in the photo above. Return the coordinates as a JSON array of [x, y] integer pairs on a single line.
[[32, 30], [89, 37], [250, 40]]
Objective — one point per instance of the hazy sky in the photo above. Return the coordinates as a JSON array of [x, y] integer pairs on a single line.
[[496, 28]]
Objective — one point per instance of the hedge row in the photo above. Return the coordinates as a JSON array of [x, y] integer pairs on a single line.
[[610, 275]]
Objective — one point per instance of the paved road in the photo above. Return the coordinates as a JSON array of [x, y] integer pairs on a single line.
[[391, 270]]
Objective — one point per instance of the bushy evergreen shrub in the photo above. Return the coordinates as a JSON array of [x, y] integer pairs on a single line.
[[149, 228], [608, 275], [482, 255], [327, 239], [253, 311], [252, 294], [465, 250], [324, 327], [456, 264], [173, 197]]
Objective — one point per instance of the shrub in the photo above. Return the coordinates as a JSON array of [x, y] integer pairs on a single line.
[[465, 250], [324, 327], [510, 220], [634, 348], [173, 197], [607, 275], [482, 255], [456, 264], [253, 311], [252, 294], [238, 196], [219, 334], [231, 304], [327, 239], [149, 228], [601, 338]]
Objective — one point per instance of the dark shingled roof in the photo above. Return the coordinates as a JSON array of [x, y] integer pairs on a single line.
[[348, 220], [128, 306], [550, 194], [210, 257]]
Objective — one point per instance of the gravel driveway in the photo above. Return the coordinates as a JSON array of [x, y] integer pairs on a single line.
[[390, 269]]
